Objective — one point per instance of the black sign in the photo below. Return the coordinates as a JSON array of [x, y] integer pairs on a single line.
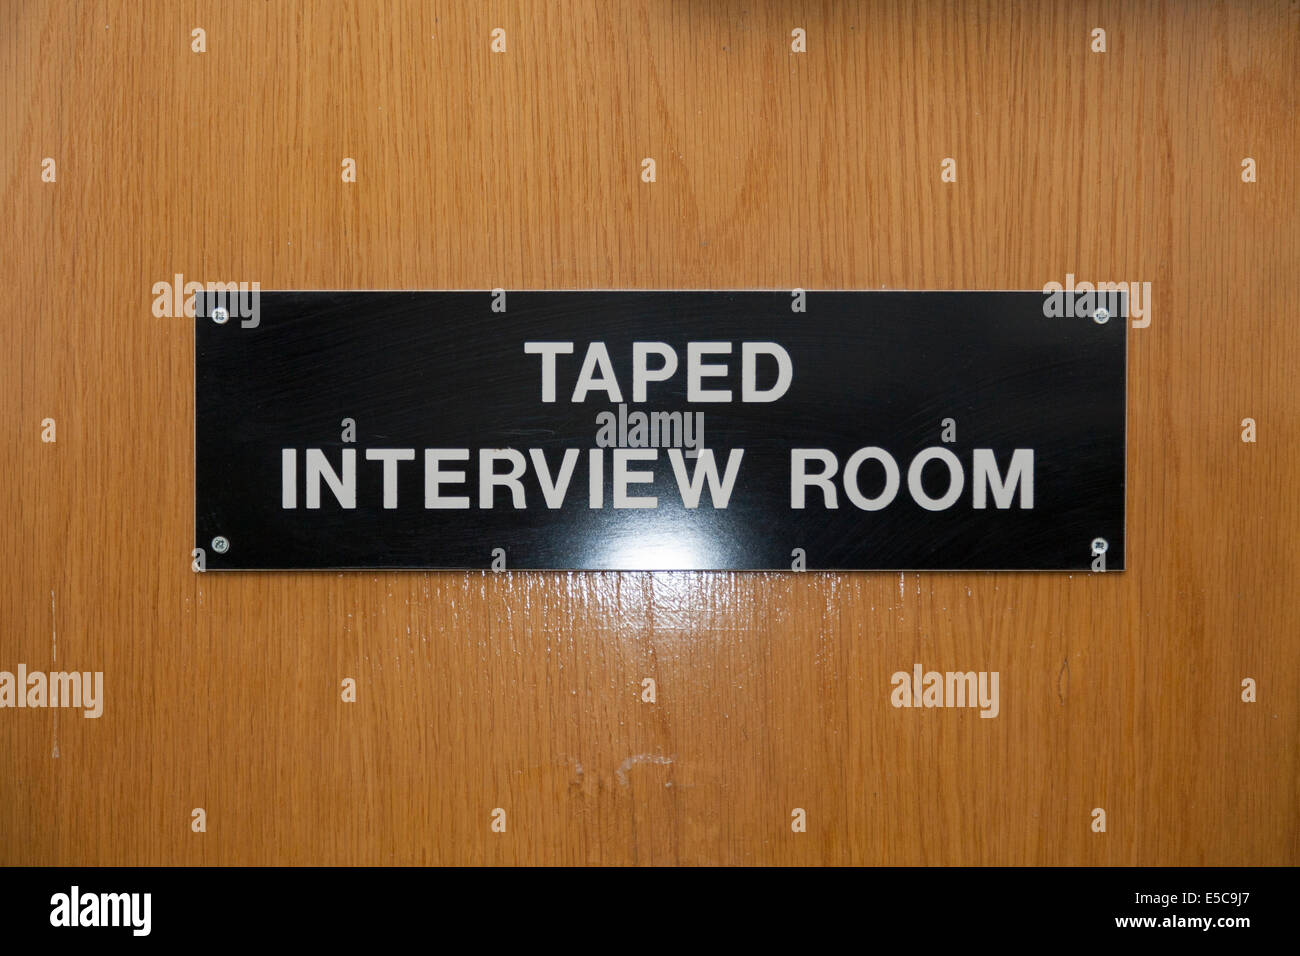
[[659, 430]]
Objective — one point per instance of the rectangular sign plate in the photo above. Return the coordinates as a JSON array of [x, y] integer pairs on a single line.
[[659, 430]]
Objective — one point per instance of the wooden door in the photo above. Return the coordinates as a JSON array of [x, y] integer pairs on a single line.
[[794, 144]]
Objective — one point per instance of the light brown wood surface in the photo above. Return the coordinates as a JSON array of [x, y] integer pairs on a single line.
[[523, 691]]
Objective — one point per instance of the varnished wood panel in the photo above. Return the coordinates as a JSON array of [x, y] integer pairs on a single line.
[[522, 691]]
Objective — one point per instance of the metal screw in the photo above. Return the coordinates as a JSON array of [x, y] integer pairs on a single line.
[[1099, 545], [220, 315], [221, 545], [1101, 316]]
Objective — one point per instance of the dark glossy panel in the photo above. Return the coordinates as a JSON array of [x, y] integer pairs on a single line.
[[424, 370]]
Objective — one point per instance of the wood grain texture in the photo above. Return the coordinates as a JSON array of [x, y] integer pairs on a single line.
[[522, 691]]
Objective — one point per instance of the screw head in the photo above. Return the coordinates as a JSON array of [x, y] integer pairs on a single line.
[[1099, 545], [220, 315], [220, 545], [1101, 316]]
